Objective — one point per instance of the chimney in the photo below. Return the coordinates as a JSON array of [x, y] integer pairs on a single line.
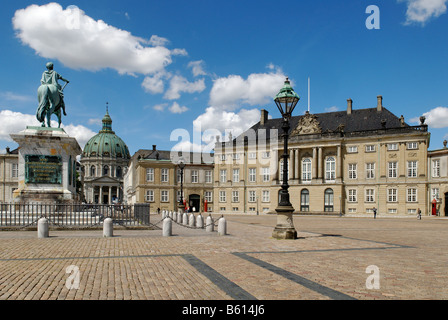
[[349, 106], [379, 106], [264, 117], [154, 147], [8, 151]]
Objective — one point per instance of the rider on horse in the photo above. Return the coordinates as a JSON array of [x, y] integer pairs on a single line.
[[51, 77]]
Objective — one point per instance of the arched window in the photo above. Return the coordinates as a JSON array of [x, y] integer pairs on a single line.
[[118, 172], [306, 169], [105, 170], [305, 200], [329, 200], [92, 171], [330, 169]]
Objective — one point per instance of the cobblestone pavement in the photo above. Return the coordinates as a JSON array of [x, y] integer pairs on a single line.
[[329, 261]]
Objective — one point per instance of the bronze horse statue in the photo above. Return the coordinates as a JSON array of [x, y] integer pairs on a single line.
[[50, 97]]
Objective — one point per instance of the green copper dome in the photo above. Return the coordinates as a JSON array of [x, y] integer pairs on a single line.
[[106, 143]]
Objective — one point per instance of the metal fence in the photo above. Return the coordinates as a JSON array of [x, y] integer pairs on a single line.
[[15, 215]]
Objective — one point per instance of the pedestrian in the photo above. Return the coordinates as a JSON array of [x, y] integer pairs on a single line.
[[158, 210], [374, 213], [419, 214]]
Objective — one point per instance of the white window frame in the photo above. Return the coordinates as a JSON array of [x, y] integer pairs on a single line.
[[208, 195], [149, 196], [392, 146], [222, 196], [150, 175], [164, 196], [369, 195], [392, 169], [223, 175], [392, 195], [164, 172], [370, 170], [330, 169], [352, 149], [235, 196], [194, 176], [307, 169], [15, 170], [266, 174], [252, 174], [412, 145], [411, 195], [436, 168], [370, 148], [353, 171], [208, 176], [266, 196], [252, 196], [352, 195], [435, 193], [412, 169], [236, 175]]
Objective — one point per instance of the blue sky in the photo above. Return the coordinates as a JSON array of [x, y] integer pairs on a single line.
[[172, 68]]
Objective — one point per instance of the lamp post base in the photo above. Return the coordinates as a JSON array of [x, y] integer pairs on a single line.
[[284, 230]]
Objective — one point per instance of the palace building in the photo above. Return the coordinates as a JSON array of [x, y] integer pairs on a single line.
[[9, 174], [154, 177], [346, 162]]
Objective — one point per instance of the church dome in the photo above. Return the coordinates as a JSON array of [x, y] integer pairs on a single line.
[[106, 143]]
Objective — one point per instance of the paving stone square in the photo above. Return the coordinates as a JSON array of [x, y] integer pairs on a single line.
[[329, 261]]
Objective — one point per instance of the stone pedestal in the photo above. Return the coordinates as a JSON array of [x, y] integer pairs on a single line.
[[284, 230], [47, 166]]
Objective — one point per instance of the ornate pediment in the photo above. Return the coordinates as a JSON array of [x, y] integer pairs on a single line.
[[308, 124]]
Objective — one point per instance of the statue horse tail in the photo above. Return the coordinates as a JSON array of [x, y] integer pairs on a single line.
[[48, 101]]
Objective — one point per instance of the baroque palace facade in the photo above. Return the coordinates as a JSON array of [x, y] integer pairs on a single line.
[[347, 162]]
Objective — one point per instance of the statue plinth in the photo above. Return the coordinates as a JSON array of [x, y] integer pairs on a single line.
[[47, 166]]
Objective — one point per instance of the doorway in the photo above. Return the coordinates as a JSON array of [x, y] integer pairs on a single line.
[[446, 204], [195, 202]]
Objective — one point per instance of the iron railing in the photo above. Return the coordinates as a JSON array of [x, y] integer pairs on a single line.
[[19, 215]]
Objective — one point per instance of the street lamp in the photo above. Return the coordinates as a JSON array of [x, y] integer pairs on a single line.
[[181, 165], [286, 100]]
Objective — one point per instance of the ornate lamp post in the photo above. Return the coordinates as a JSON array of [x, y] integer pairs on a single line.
[[286, 100], [181, 165]]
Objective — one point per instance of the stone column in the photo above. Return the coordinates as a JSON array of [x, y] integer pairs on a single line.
[[110, 195], [297, 165], [339, 165], [100, 197], [314, 165], [319, 164]]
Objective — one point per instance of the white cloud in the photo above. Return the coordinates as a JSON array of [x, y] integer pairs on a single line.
[[436, 118], [180, 84], [154, 84], [14, 122], [332, 109], [95, 121], [176, 108], [160, 107], [197, 68], [236, 123], [420, 11], [80, 42], [259, 88]]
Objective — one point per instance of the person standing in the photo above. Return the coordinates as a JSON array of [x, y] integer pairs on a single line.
[[419, 214], [374, 213]]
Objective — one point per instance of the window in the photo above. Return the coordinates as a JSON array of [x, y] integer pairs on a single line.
[[235, 209], [306, 169], [281, 170], [223, 157], [392, 169], [352, 195], [118, 172], [328, 200], [352, 171], [252, 174], [223, 176], [370, 195], [92, 171], [105, 170], [392, 210], [208, 176], [412, 195], [194, 176], [330, 169], [149, 196], [252, 155], [370, 170], [412, 169], [392, 195], [412, 145], [164, 196], [150, 174], [305, 200], [392, 146], [236, 175], [252, 196], [435, 193], [235, 196], [208, 195], [352, 149], [222, 196], [236, 156], [266, 196], [436, 168], [266, 155], [179, 196], [15, 170], [370, 148], [164, 175], [412, 211], [266, 174]]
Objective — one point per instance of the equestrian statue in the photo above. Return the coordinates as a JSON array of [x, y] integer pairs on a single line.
[[50, 96]]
